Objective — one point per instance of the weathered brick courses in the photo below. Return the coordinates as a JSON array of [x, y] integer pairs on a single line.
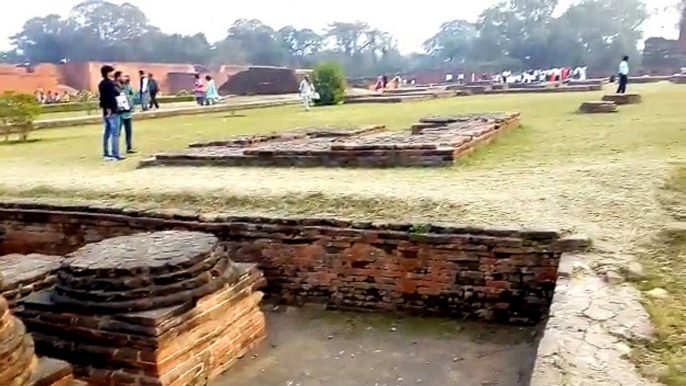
[[427, 144], [502, 275], [142, 340]]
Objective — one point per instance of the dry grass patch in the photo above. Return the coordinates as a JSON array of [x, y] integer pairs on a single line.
[[665, 264]]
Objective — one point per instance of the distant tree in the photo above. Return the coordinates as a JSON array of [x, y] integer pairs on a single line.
[[300, 44], [44, 39], [347, 37], [259, 43], [453, 42]]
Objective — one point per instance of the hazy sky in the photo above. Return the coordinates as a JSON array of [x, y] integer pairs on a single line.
[[410, 21]]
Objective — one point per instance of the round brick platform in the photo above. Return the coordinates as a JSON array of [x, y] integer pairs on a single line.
[[596, 107], [623, 99], [144, 271], [17, 359]]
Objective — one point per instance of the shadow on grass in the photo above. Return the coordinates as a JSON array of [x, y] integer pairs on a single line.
[[31, 141], [12, 142]]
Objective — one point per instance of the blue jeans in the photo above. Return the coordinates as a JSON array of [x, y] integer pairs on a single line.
[[127, 125], [111, 134]]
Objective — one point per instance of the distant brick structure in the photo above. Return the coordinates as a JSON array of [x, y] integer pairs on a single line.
[[666, 57], [171, 77]]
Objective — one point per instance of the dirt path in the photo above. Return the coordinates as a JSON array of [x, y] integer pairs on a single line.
[[313, 348]]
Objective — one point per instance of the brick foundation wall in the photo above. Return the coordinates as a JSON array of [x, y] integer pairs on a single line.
[[488, 274]]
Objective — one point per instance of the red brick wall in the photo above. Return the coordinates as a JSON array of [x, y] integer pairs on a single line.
[[13, 78], [480, 273], [86, 76]]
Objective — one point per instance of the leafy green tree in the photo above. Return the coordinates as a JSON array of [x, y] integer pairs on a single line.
[[329, 81]]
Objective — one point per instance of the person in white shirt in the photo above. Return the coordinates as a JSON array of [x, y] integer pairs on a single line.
[[307, 92], [623, 75], [143, 91]]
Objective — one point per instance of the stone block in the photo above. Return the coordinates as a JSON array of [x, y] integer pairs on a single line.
[[596, 107], [623, 99]]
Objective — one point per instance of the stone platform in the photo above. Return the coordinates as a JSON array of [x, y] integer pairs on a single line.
[[165, 308], [19, 365], [22, 275], [623, 99], [398, 96], [596, 107], [359, 147]]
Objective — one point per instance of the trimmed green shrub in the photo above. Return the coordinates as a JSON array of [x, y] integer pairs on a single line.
[[329, 81], [17, 113]]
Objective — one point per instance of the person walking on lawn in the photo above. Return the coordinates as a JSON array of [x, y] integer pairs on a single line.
[[110, 113], [127, 116], [143, 90], [154, 90]]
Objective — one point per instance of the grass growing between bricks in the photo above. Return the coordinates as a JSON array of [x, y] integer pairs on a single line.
[[665, 264]]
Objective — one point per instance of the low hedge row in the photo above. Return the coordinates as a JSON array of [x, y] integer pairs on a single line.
[[93, 105]]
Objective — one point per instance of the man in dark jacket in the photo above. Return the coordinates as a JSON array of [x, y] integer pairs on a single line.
[[109, 93], [154, 90]]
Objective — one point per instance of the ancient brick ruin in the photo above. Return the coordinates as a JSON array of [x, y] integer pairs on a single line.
[[666, 57], [623, 99], [596, 107], [500, 275], [19, 365], [172, 77], [450, 138], [22, 275], [165, 308]]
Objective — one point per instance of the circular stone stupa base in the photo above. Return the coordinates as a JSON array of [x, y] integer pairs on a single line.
[[623, 99], [144, 271], [598, 107], [17, 359]]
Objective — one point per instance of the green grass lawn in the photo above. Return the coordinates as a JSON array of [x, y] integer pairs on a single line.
[[548, 119], [553, 136], [596, 174]]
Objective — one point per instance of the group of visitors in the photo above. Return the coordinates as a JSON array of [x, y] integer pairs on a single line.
[[117, 103], [557, 74], [52, 97], [148, 89], [206, 95], [382, 82]]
